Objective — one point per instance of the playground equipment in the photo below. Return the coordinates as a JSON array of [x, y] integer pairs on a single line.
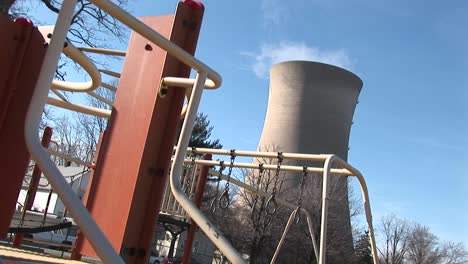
[[119, 216]]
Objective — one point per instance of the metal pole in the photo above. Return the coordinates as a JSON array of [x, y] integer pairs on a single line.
[[288, 168], [33, 185], [205, 224], [201, 184], [283, 237], [33, 118], [323, 223]]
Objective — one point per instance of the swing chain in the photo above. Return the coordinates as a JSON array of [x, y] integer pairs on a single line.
[[301, 192], [271, 203], [215, 197], [224, 198], [187, 172], [261, 171]]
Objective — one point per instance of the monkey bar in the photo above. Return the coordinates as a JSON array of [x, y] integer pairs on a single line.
[[78, 211]]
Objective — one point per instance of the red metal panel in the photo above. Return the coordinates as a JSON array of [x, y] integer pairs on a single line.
[[128, 184], [21, 54]]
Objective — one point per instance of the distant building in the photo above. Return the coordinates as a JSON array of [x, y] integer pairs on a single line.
[[76, 176]]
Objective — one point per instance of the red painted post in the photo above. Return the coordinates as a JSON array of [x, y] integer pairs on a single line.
[[33, 185], [77, 246], [125, 194], [22, 51], [201, 184]]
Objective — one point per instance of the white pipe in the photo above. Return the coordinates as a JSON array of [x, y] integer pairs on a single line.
[[367, 207], [347, 170], [84, 220], [148, 33], [85, 109], [70, 158], [289, 168], [121, 53], [110, 73], [108, 86], [59, 95], [83, 60], [202, 221], [283, 237], [185, 82], [100, 98], [261, 154], [323, 223]]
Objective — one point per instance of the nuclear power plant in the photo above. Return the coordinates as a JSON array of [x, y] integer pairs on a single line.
[[310, 110]]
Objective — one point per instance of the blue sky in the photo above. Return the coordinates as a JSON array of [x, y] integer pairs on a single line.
[[409, 133]]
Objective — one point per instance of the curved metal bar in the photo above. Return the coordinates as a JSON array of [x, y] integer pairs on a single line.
[[110, 73], [203, 222], [78, 56], [121, 53], [367, 207], [153, 36], [80, 214], [89, 110]]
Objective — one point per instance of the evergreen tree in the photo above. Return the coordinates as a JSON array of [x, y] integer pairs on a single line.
[[202, 132]]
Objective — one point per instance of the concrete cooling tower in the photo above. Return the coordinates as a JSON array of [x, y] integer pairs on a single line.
[[310, 110]]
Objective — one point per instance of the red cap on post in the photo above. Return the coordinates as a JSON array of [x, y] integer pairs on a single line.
[[24, 21], [194, 4]]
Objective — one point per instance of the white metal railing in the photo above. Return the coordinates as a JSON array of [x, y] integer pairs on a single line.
[[328, 160], [84, 220]]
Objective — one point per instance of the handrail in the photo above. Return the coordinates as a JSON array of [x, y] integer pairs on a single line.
[[202, 221], [153, 36], [288, 168]]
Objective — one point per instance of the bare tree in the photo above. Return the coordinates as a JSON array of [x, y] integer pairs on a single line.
[[423, 246], [395, 233], [92, 126], [454, 253], [90, 26]]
